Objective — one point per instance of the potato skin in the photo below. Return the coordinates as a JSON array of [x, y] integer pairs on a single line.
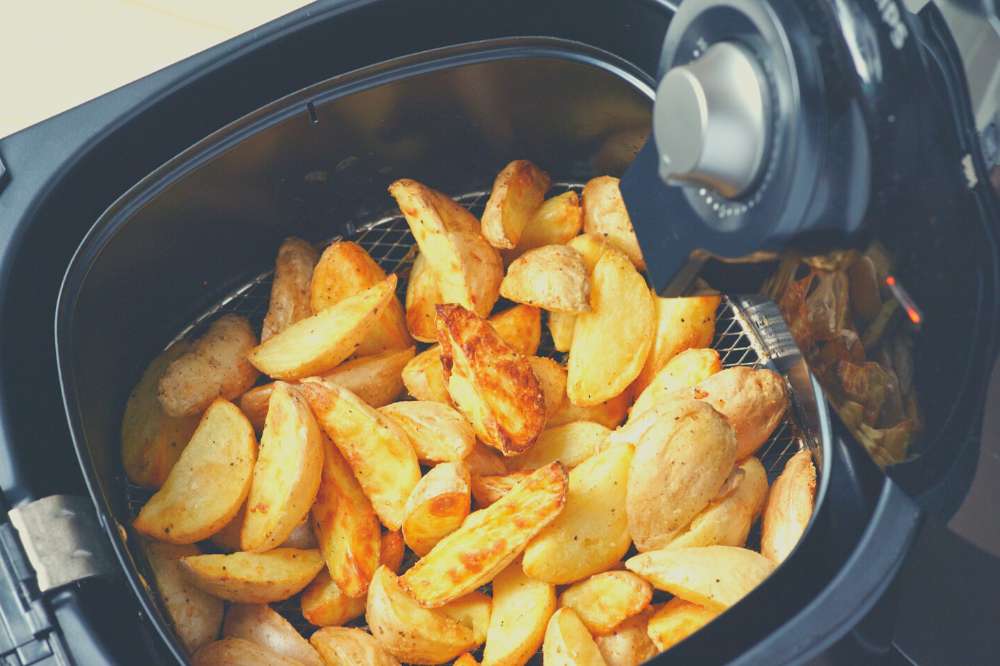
[[518, 192], [552, 277], [348, 645], [422, 296], [437, 506], [238, 652], [260, 624], [604, 214], [437, 431], [628, 644], [557, 221], [293, 271], [789, 507], [196, 615], [607, 599], [677, 620]]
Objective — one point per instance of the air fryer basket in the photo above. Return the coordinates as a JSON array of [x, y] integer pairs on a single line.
[[196, 238]]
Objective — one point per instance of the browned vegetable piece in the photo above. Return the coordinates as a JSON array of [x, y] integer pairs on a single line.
[[293, 271], [436, 507], [484, 461], [789, 507], [488, 489], [422, 296], [677, 620], [551, 378], [607, 599], [437, 432], [517, 195]]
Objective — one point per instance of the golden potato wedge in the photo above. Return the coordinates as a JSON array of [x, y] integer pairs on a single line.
[[437, 432], [474, 611], [490, 383], [609, 413], [407, 630], [293, 271], [488, 540], [228, 538], [321, 342], [570, 444], [520, 327], [677, 620], [552, 277], [215, 366], [488, 489], [628, 644], [680, 464], [436, 507], [393, 549], [422, 296], [715, 577], [348, 645], [152, 441], [591, 248], [238, 652], [686, 369], [286, 475], [484, 461], [727, 520], [259, 624], [604, 214], [465, 659], [377, 450], [517, 196], [207, 486], [568, 643], [561, 326], [254, 578], [551, 378], [789, 507], [557, 221], [622, 310], [424, 378], [681, 323], [591, 533], [522, 607], [195, 615], [468, 268], [607, 599]]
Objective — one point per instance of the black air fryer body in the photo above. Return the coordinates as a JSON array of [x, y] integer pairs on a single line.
[[878, 567]]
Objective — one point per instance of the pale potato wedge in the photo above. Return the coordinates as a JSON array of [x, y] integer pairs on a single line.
[[468, 268], [622, 310], [522, 607], [628, 644], [681, 462], [152, 441], [591, 248], [238, 652], [260, 624], [488, 540], [484, 461], [681, 323], [570, 444], [378, 450], [568, 643], [407, 630], [474, 611], [789, 507], [319, 343], [551, 378], [195, 615], [436, 507], [422, 296], [727, 520], [686, 369], [520, 327], [228, 538], [609, 413], [424, 378], [561, 326], [677, 620], [254, 578], [207, 486], [552, 277], [591, 533], [557, 221], [715, 577], [517, 196], [492, 385], [215, 366], [393, 549], [607, 599], [437, 432], [604, 214], [488, 489], [293, 271], [348, 645], [465, 660], [286, 474]]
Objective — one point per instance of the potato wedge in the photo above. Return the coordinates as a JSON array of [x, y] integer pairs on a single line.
[[520, 327], [607, 599], [436, 507], [517, 196], [686, 369], [259, 624], [254, 578], [407, 630], [484, 461], [195, 615], [561, 326], [152, 441], [465, 660], [628, 644], [568, 643], [677, 620], [551, 378], [302, 537], [377, 450], [207, 486], [348, 645], [228, 538], [609, 413], [552, 277], [468, 268], [424, 378], [321, 342], [393, 550], [490, 383], [604, 214], [488, 489], [215, 366], [488, 540], [789, 507], [591, 533], [238, 652], [422, 296], [681, 323], [557, 221], [522, 607], [727, 520], [591, 248], [437, 432], [570, 444], [680, 464], [474, 611], [622, 310], [715, 577], [293, 271], [286, 475]]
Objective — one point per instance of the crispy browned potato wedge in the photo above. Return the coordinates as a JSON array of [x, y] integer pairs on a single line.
[[286, 475], [688, 368], [715, 577], [196, 616], [604, 214], [520, 327], [570, 444], [552, 277], [348, 645], [488, 489], [259, 624], [488, 540], [490, 383], [561, 326], [628, 644], [727, 520], [789, 507], [609, 413], [551, 378], [293, 271], [422, 296], [468, 268], [484, 461], [522, 607], [152, 441], [677, 620], [557, 221], [207, 486], [377, 449], [607, 599], [517, 195], [437, 432], [681, 323], [424, 378], [474, 611], [568, 643], [238, 652], [393, 549], [254, 578], [215, 366], [436, 507]]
